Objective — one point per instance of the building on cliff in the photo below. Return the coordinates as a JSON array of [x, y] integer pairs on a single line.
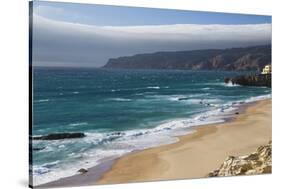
[[266, 69]]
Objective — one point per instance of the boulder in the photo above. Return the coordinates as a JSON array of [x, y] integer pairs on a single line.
[[82, 171], [58, 136], [38, 149], [182, 99]]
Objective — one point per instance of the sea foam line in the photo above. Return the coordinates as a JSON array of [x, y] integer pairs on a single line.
[[42, 100], [78, 124]]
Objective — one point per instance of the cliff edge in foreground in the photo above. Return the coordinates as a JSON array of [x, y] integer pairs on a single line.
[[259, 162]]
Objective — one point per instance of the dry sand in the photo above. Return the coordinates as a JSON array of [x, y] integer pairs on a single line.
[[195, 155]]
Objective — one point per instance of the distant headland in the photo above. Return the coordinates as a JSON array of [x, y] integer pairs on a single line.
[[232, 59]]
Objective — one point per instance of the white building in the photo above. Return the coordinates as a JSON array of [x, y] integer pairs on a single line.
[[266, 69]]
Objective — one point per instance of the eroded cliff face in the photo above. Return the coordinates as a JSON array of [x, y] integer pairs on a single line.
[[234, 59], [258, 162]]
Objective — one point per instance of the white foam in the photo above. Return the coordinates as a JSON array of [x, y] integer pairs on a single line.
[[42, 100], [153, 87], [206, 88], [230, 84], [78, 124], [120, 99], [45, 168], [182, 98], [176, 97], [48, 149], [43, 174], [258, 98], [114, 90]]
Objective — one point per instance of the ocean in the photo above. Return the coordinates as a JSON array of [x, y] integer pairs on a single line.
[[121, 111]]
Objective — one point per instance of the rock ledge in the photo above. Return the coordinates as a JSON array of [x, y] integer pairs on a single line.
[[259, 162]]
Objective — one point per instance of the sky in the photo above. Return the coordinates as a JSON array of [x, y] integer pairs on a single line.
[[87, 35]]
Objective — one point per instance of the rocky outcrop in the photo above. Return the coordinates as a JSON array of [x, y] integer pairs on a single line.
[[58, 136], [234, 59], [251, 80], [82, 171], [258, 162], [38, 149]]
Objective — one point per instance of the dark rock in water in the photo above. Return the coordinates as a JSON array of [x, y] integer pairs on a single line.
[[262, 80], [236, 113], [116, 134], [38, 149], [82, 171], [182, 98], [227, 80], [58, 136]]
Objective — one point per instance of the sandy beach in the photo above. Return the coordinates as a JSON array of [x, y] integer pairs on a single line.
[[194, 156]]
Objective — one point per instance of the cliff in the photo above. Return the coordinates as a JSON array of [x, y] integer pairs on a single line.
[[234, 59], [258, 162]]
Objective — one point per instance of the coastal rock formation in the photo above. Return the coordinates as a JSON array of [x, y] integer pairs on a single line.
[[58, 136], [258, 162], [234, 59], [251, 80]]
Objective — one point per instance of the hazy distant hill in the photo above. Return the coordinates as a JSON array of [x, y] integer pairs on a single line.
[[249, 58]]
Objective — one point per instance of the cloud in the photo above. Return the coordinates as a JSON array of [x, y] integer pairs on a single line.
[[44, 10], [59, 43]]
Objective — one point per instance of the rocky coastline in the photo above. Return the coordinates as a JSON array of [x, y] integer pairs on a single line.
[[258, 162], [234, 59], [259, 80]]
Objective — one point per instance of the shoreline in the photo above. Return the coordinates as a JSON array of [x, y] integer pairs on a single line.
[[166, 162]]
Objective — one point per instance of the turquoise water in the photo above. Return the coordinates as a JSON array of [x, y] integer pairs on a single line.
[[123, 110]]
